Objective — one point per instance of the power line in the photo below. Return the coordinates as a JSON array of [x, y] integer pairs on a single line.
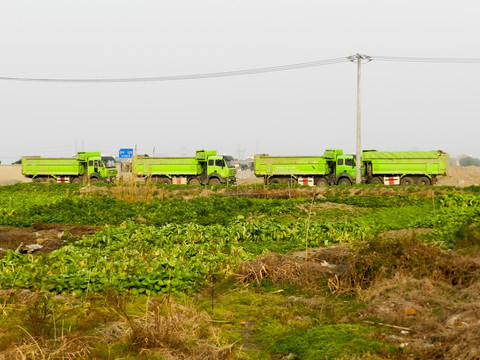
[[426, 59], [189, 77], [254, 71]]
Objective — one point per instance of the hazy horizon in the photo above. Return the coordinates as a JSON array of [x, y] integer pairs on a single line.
[[405, 106]]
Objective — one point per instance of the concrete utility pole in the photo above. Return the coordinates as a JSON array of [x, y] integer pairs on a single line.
[[358, 59]]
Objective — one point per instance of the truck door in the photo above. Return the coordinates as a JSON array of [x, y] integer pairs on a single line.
[[350, 166], [210, 166], [94, 167], [346, 164], [221, 168], [216, 166], [90, 168]]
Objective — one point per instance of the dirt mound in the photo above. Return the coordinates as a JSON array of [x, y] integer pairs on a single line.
[[248, 177], [12, 174], [461, 176], [49, 236]]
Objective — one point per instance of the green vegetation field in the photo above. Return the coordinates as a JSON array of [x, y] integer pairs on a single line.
[[366, 272]]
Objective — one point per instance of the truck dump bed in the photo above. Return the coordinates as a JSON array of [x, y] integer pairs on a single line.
[[407, 162], [36, 165], [145, 166], [290, 165]]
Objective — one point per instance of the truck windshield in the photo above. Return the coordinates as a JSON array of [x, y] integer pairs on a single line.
[[109, 161], [229, 161]]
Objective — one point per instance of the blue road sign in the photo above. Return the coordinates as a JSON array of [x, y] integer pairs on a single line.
[[125, 153]]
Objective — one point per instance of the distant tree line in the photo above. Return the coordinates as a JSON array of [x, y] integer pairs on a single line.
[[469, 161]]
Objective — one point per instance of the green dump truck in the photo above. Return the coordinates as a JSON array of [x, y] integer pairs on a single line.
[[336, 168], [205, 168], [394, 167], [87, 166], [306, 170]]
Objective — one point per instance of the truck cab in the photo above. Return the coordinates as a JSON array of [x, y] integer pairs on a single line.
[[346, 169], [221, 167], [97, 168], [110, 167]]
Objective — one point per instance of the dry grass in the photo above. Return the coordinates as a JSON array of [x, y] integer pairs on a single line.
[[287, 269], [134, 190], [398, 253], [129, 191], [421, 297], [171, 330], [443, 323], [64, 347]]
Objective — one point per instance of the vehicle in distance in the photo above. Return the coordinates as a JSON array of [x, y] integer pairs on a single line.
[[336, 168], [87, 166], [205, 168]]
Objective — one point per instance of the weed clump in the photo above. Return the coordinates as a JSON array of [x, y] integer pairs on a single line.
[[287, 269], [171, 330], [384, 258]]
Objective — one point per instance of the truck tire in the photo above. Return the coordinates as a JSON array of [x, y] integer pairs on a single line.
[[164, 180], [39, 179], [194, 181], [94, 180], [274, 181], [213, 181], [322, 182], [376, 180], [76, 180], [344, 181], [407, 181], [424, 181]]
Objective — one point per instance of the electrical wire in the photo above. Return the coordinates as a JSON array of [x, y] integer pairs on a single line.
[[188, 77], [427, 59], [352, 58]]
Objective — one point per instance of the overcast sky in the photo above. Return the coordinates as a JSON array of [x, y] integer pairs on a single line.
[[406, 106]]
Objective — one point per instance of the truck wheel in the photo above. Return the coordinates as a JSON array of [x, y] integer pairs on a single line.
[[76, 180], [344, 181], [50, 180], [322, 182], [423, 180], [93, 180], [376, 180], [194, 181], [213, 181], [407, 181], [274, 181], [39, 179], [164, 180]]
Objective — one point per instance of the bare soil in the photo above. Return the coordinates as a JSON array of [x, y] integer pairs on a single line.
[[12, 174], [49, 236], [461, 176]]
